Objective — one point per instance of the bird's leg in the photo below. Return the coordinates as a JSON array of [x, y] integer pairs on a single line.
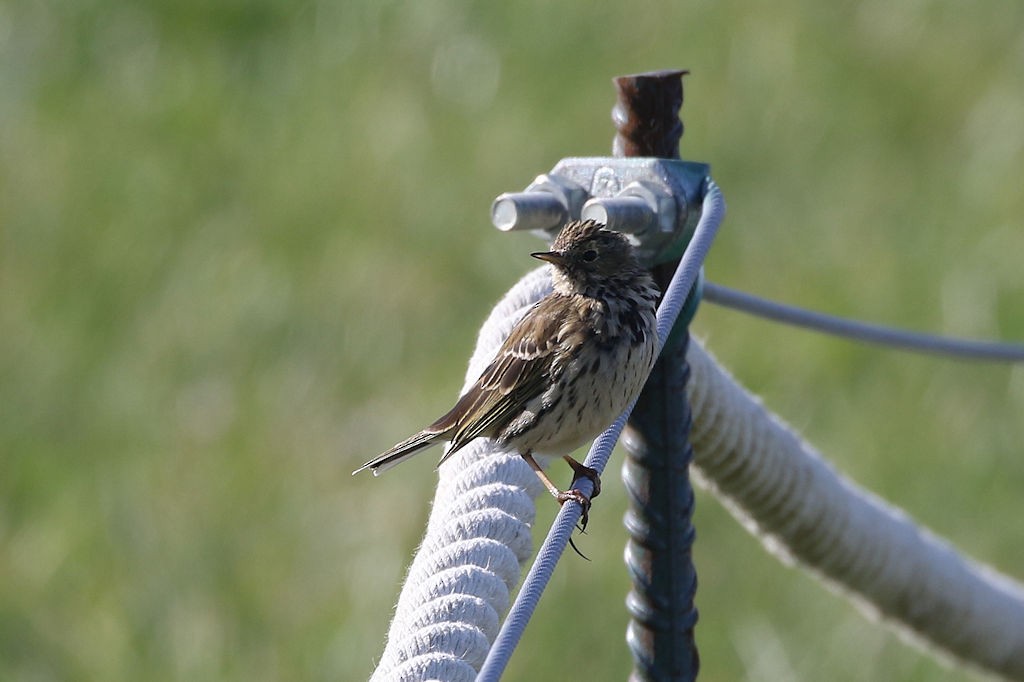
[[583, 471], [564, 496]]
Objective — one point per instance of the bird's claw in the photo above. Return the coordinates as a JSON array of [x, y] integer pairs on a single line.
[[579, 498], [584, 502]]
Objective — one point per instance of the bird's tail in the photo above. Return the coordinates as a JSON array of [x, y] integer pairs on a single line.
[[402, 451]]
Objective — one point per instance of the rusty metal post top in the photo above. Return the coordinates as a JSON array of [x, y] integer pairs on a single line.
[[646, 115]]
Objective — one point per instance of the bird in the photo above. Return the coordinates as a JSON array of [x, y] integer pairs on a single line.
[[572, 364]]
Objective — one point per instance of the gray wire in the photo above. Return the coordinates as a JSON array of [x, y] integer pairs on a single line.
[[965, 349]]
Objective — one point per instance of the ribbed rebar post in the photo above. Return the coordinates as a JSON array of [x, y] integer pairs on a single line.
[[656, 471]]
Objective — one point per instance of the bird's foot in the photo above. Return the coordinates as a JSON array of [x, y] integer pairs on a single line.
[[583, 471], [574, 495], [563, 496]]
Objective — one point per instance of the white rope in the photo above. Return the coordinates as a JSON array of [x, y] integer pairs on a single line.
[[478, 534], [781, 489], [477, 538]]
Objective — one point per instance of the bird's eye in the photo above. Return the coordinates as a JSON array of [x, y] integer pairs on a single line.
[[590, 255]]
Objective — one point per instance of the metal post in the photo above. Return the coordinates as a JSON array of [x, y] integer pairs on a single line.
[[656, 471]]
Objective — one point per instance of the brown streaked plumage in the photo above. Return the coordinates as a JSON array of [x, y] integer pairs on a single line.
[[572, 364]]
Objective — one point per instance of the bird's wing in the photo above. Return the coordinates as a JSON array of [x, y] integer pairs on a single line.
[[520, 371]]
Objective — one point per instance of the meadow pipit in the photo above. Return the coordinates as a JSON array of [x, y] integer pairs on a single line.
[[573, 363]]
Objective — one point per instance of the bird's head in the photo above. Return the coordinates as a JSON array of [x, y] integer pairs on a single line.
[[586, 255]]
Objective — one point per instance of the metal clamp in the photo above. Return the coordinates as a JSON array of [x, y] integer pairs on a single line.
[[651, 200]]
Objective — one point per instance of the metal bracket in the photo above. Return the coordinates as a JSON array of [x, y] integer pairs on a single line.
[[655, 202]]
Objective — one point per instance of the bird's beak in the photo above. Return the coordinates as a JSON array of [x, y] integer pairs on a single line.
[[552, 257]]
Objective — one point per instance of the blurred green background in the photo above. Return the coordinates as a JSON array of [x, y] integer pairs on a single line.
[[244, 246]]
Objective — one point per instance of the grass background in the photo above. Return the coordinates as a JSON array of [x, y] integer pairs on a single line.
[[244, 246]]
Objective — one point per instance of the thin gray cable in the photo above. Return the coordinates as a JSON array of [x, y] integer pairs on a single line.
[[561, 530], [863, 331]]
